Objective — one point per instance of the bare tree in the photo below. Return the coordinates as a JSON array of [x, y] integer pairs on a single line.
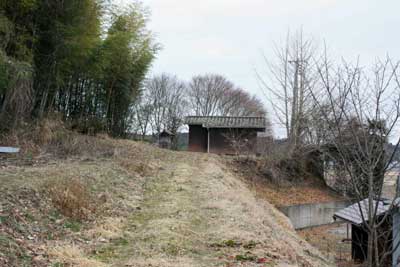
[[177, 109], [237, 102], [142, 117], [361, 110], [206, 93], [287, 84], [165, 95], [214, 95], [239, 142]]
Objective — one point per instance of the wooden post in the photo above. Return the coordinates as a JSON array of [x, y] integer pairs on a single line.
[[396, 228], [208, 140]]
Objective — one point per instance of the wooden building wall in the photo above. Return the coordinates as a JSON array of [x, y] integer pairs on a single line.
[[359, 246], [197, 138], [359, 243], [219, 144]]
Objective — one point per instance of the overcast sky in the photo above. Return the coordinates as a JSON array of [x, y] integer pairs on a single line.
[[228, 37]]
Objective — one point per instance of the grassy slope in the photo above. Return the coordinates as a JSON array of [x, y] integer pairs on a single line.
[[159, 208]]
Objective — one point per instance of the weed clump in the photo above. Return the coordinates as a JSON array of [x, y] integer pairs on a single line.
[[245, 257], [72, 198]]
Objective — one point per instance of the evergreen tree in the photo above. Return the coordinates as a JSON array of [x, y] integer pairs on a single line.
[[76, 59]]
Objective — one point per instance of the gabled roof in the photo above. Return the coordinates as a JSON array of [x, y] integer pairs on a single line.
[[227, 122], [353, 214]]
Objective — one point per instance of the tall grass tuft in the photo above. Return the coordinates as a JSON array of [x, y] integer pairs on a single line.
[[72, 198]]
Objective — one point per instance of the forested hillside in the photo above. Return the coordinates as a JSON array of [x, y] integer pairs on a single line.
[[84, 59]]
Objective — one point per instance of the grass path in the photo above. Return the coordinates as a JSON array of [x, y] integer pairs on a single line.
[[195, 212], [170, 229]]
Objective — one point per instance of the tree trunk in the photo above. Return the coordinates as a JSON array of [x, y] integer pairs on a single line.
[[371, 223], [293, 126]]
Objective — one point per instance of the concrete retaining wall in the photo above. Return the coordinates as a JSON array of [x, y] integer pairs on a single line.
[[307, 215]]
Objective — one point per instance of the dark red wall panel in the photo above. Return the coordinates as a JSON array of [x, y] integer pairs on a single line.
[[197, 138]]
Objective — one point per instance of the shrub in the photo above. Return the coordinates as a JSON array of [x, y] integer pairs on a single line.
[[72, 198], [55, 138], [281, 170], [90, 126], [50, 136]]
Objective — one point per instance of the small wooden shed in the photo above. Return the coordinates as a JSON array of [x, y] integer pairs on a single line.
[[388, 232], [215, 134], [165, 139]]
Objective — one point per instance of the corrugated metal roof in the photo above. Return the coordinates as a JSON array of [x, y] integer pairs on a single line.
[[227, 122], [354, 215]]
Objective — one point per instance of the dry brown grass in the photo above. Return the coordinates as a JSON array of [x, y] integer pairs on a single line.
[[68, 143], [307, 190], [72, 198], [329, 239], [295, 195], [71, 255], [109, 228], [140, 167], [50, 136], [84, 195], [161, 262]]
